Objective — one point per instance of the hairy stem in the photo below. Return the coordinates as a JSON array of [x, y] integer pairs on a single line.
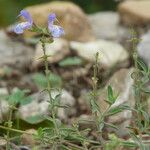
[[47, 73], [14, 130]]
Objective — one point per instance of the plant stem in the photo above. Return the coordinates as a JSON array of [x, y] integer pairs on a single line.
[[9, 126], [98, 114], [47, 73], [14, 130]]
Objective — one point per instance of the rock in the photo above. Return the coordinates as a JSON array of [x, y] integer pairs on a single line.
[[70, 16], [40, 106], [67, 100], [24, 148], [3, 141], [121, 83], [106, 49], [104, 26], [144, 48], [135, 12], [77, 72], [57, 51], [27, 82], [13, 53], [28, 137], [4, 106], [8, 72], [84, 102]]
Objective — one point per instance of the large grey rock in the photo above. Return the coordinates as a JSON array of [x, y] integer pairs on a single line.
[[122, 84], [144, 48], [14, 53], [56, 50], [111, 53], [40, 105], [70, 16], [105, 24]]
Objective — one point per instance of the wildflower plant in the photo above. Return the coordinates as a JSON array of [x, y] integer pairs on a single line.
[[59, 136], [141, 77]]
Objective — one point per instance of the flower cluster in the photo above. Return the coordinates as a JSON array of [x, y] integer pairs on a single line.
[[55, 30]]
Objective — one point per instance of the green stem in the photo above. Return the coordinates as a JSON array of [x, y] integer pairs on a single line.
[[9, 126], [47, 73], [98, 120], [14, 130]]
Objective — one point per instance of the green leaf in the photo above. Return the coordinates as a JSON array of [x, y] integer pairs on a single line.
[[137, 140], [111, 125], [71, 61], [35, 119], [94, 106], [19, 97], [55, 80], [142, 65], [41, 81], [26, 100], [145, 90], [115, 110], [111, 97], [128, 144]]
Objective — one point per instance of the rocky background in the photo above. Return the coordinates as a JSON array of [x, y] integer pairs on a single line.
[[72, 59]]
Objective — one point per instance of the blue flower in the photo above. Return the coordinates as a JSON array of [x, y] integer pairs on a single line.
[[55, 30], [19, 28]]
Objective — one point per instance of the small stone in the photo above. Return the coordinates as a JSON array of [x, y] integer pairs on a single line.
[[71, 18], [28, 137], [144, 48], [40, 106], [4, 106], [135, 12], [24, 148], [56, 50], [3, 142], [111, 53]]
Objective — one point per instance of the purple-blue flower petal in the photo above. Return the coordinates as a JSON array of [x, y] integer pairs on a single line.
[[24, 25], [51, 18], [21, 27], [26, 15], [18, 29], [56, 31]]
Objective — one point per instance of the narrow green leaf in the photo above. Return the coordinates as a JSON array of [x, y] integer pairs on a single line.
[[142, 65], [70, 61]]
